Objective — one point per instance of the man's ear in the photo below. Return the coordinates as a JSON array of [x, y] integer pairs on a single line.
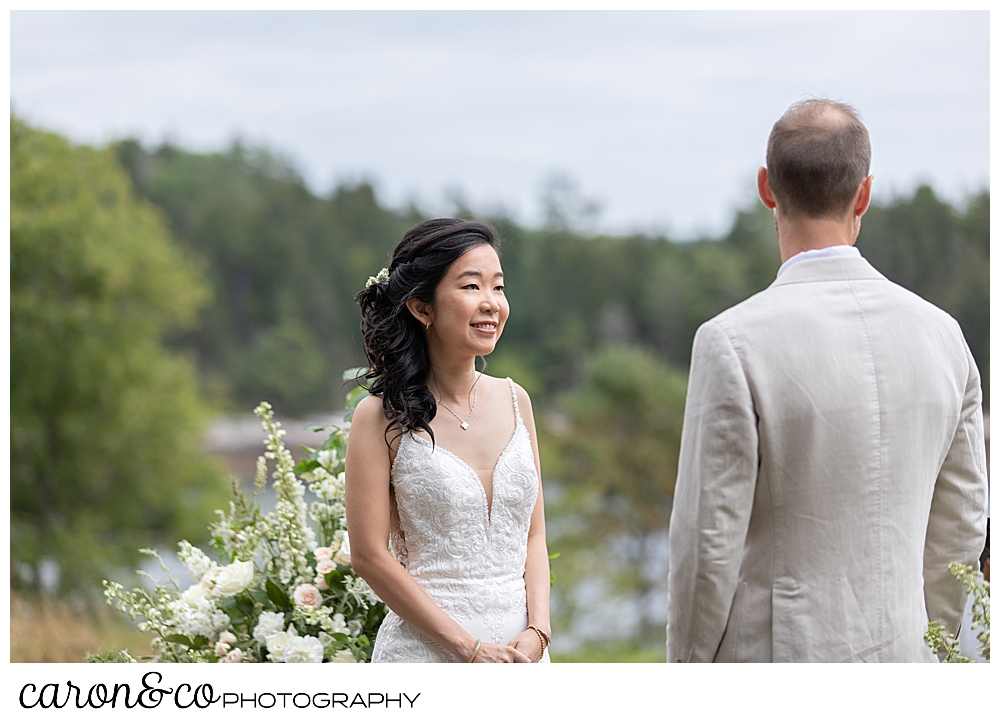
[[863, 197], [764, 189], [422, 312]]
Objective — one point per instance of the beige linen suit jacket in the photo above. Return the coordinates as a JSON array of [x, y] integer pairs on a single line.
[[832, 464]]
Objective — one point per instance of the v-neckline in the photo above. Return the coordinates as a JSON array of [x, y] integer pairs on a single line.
[[487, 503]]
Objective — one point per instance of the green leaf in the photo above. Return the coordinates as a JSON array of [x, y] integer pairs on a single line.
[[350, 375], [200, 641], [316, 428], [354, 397], [305, 465], [278, 596], [179, 639]]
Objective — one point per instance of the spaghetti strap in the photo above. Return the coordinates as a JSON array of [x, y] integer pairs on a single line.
[[513, 394]]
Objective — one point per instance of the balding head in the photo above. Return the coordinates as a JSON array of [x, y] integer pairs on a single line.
[[817, 156]]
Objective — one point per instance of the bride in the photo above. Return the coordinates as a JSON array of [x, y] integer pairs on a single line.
[[442, 461]]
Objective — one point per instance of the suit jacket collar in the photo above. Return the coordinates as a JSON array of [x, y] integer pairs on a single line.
[[834, 269]]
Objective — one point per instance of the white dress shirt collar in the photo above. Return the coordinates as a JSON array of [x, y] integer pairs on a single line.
[[830, 252]]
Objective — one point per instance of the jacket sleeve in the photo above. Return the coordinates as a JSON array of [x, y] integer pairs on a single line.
[[956, 527], [716, 480]]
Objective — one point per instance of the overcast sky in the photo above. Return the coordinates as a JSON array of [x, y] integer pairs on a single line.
[[662, 117]]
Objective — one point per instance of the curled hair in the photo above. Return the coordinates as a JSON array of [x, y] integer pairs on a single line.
[[398, 360], [817, 156]]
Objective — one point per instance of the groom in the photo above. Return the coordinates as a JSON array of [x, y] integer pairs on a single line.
[[832, 461]]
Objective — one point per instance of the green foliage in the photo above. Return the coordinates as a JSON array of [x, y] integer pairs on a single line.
[[283, 264], [943, 643], [106, 425], [619, 651], [276, 253], [613, 462]]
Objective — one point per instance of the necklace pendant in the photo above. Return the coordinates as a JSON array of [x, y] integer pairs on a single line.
[[465, 425]]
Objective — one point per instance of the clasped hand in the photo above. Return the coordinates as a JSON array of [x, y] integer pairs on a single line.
[[524, 648]]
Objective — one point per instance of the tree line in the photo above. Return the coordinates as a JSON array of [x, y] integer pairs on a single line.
[[152, 287]]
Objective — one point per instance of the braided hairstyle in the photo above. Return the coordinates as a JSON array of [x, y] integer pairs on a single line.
[[398, 360]]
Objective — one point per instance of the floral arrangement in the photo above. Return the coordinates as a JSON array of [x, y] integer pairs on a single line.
[[280, 591], [943, 643]]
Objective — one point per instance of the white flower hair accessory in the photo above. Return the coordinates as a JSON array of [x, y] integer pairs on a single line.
[[382, 277]]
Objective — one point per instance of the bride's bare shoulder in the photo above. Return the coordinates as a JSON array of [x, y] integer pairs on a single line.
[[369, 414]]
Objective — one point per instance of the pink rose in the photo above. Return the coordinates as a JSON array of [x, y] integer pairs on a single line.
[[227, 637], [325, 566], [308, 596], [321, 583], [234, 656], [323, 553]]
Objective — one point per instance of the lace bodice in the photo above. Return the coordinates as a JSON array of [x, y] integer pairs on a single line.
[[469, 558]]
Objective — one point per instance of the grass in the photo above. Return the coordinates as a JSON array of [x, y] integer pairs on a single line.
[[47, 630], [51, 630], [619, 651]]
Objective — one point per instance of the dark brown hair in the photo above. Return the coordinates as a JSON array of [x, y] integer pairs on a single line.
[[398, 360], [817, 156]]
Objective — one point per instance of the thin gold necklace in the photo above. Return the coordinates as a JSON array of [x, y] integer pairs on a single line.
[[475, 396]]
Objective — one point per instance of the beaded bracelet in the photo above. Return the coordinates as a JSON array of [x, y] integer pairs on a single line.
[[541, 640], [548, 640]]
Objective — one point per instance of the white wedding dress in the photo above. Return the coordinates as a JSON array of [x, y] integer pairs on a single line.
[[468, 558]]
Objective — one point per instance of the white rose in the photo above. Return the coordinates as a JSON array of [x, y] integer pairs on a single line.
[[233, 579], [221, 649], [267, 625], [323, 553], [343, 656], [321, 582], [227, 637], [308, 596], [325, 566], [276, 645], [194, 594], [304, 650], [343, 556], [234, 656]]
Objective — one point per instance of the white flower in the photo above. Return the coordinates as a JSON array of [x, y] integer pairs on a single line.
[[343, 556], [233, 579], [208, 579], [233, 656], [221, 649], [227, 637], [320, 582], [194, 595], [354, 628], [267, 625], [304, 650], [339, 624], [308, 596], [343, 656], [328, 458], [277, 643], [323, 553], [196, 561], [360, 589]]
